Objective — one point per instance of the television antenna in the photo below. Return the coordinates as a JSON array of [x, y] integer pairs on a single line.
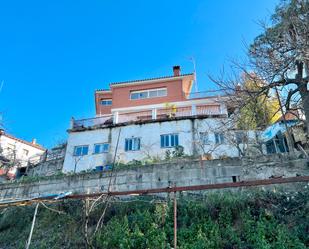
[[194, 71]]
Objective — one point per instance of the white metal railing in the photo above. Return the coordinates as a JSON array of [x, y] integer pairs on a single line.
[[91, 122], [153, 114], [204, 94]]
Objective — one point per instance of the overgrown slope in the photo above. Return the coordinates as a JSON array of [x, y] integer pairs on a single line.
[[220, 220]]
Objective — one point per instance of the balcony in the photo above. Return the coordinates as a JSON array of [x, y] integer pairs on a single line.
[[171, 112]]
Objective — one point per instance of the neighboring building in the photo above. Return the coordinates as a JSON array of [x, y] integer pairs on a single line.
[[142, 119], [275, 137], [16, 153]]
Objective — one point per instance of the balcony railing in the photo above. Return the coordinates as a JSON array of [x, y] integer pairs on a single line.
[[205, 94], [153, 114], [92, 122]]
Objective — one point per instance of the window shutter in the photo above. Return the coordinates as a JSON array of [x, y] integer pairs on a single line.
[[176, 140], [172, 140], [85, 150], [126, 145], [162, 141]]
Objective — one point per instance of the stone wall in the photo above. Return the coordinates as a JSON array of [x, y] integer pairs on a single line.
[[179, 173]]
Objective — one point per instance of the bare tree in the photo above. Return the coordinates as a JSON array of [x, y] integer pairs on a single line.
[[280, 55]]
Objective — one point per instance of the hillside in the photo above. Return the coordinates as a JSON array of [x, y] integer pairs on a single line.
[[250, 219]]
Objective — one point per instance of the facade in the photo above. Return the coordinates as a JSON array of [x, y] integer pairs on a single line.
[[149, 119], [18, 152]]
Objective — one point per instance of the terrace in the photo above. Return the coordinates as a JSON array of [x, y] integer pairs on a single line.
[[198, 106]]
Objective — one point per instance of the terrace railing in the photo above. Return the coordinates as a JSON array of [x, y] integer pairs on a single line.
[[153, 114], [204, 94], [92, 122], [157, 113]]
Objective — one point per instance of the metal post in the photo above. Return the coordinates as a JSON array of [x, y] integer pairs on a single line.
[[32, 226], [154, 113], [175, 221], [116, 117], [72, 123], [275, 144], [193, 108]]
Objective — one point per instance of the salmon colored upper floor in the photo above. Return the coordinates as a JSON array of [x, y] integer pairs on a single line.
[[178, 89]]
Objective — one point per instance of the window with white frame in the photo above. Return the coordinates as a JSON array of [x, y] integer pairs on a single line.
[[101, 148], [81, 150], [132, 144], [106, 102], [145, 94], [169, 140], [219, 138]]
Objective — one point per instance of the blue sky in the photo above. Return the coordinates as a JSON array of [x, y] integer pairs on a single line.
[[54, 54]]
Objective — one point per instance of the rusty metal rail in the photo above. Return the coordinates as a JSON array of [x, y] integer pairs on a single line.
[[253, 183], [199, 187]]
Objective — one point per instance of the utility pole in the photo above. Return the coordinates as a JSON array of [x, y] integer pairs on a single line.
[[32, 226], [175, 220], [194, 69]]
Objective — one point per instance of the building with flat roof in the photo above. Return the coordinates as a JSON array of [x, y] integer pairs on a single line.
[[150, 118]]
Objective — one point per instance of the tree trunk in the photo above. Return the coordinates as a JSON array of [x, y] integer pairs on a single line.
[[305, 102]]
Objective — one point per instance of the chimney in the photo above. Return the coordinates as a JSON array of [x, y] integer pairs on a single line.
[[33, 141], [176, 70]]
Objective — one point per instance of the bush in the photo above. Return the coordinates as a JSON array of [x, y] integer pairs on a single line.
[[248, 220]]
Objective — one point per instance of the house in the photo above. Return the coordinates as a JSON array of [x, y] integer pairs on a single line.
[[16, 154], [275, 137], [149, 119]]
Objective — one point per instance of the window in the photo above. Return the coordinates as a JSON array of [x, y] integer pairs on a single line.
[[11, 147], [25, 152], [169, 140], [204, 137], [81, 150], [100, 148], [106, 102], [145, 94], [132, 144], [219, 138]]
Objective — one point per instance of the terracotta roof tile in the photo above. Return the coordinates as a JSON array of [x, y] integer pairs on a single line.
[[23, 141]]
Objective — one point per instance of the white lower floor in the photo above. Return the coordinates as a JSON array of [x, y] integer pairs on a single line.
[[210, 137]]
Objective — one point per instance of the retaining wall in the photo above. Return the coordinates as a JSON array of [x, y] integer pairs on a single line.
[[179, 173]]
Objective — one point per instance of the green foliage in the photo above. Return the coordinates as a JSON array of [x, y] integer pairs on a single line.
[[247, 220], [177, 152], [257, 110]]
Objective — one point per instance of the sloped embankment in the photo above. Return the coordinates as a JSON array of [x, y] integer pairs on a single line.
[[250, 219]]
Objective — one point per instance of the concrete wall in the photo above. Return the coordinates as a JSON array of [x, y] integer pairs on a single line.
[[47, 168], [181, 173], [188, 130]]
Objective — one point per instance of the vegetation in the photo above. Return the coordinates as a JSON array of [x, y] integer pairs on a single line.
[[257, 111], [278, 61], [258, 220], [280, 55]]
